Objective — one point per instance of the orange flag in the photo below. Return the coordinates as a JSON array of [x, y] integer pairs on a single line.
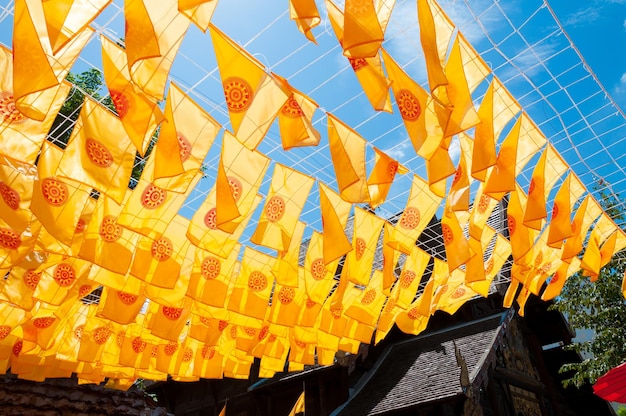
[[558, 279], [36, 69], [496, 110], [295, 119], [253, 97], [22, 137], [365, 237], [368, 71], [456, 245], [363, 34], [435, 33], [149, 209], [212, 276], [184, 141], [521, 237], [154, 32], [63, 280], [415, 319], [390, 259], [335, 213], [239, 175], [286, 268], [410, 278], [318, 276], [522, 142], [198, 11], [253, 287], [382, 176], [548, 170], [167, 322], [347, 149], [287, 301], [420, 208], [499, 255], [285, 200], [99, 153], [561, 222], [593, 259], [588, 211], [139, 113], [306, 16], [417, 110], [120, 306], [16, 189], [459, 193], [66, 18], [368, 306]]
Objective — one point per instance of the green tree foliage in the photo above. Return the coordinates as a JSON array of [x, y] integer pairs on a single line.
[[598, 306]]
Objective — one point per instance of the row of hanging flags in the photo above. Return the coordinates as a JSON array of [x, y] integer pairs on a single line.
[[182, 297]]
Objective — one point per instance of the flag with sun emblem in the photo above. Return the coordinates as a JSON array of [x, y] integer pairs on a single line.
[[253, 286], [569, 193], [365, 237], [306, 16], [295, 119]]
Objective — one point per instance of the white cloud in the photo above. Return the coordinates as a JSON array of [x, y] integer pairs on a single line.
[[619, 91], [582, 17], [624, 24], [399, 151]]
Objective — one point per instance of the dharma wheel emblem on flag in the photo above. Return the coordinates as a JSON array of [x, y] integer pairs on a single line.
[[127, 298], [4, 331], [210, 219], [414, 313], [406, 278], [184, 147], [54, 192], [286, 295], [318, 270], [368, 297], [9, 239], [235, 187], [447, 233], [98, 153], [9, 196], [483, 203], [360, 248], [64, 275], [153, 196], [357, 63], [101, 335], [31, 279], [138, 345], [162, 249], [171, 312], [238, 94], [410, 218], [409, 105], [110, 230], [9, 113], [45, 322], [257, 281], [275, 208], [210, 267], [292, 108], [121, 103]]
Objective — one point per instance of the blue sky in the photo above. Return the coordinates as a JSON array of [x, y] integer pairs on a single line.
[[530, 55]]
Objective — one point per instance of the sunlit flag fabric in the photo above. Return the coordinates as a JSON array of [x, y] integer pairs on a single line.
[[286, 268], [306, 16], [98, 153], [287, 301], [139, 113], [458, 198], [318, 274], [548, 171], [415, 318], [253, 286], [365, 237], [295, 119], [239, 174], [285, 200], [36, 69], [521, 237], [456, 245], [184, 141], [569, 193], [212, 276], [63, 280], [419, 210], [335, 212], [500, 254], [154, 32], [122, 306], [198, 11], [253, 97], [587, 212], [16, 189], [167, 322], [603, 230], [558, 279], [347, 150], [382, 176], [21, 137], [409, 281], [363, 34], [497, 108]]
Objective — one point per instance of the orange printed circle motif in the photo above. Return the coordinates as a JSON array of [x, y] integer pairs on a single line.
[[17, 348], [162, 249], [318, 269], [110, 230], [222, 325], [512, 224], [54, 192], [154, 351], [78, 331], [555, 210], [539, 259], [336, 313], [360, 248], [210, 267], [460, 291], [153, 196], [31, 279], [170, 348], [172, 313], [409, 105], [206, 321], [358, 7], [257, 281], [393, 169], [138, 345], [119, 339], [238, 94], [187, 354], [44, 322], [249, 331], [233, 332], [410, 218], [4, 331], [9, 239], [127, 298], [300, 344], [531, 186], [101, 335], [10, 196], [84, 290], [357, 63], [8, 111], [80, 226], [292, 108], [64, 275], [208, 352], [555, 278], [121, 103], [184, 147], [210, 219], [310, 303], [98, 153], [443, 289], [235, 187], [391, 303], [263, 333], [286, 295], [457, 176], [272, 338], [406, 278], [483, 203], [275, 208], [489, 266], [414, 313], [446, 232], [546, 267], [368, 297]]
